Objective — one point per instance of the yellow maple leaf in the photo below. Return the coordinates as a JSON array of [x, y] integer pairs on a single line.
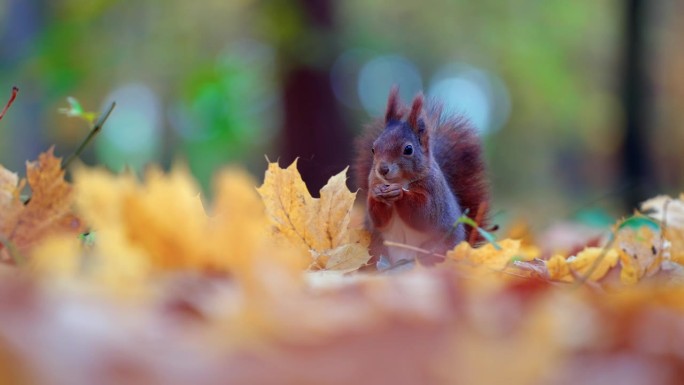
[[161, 219], [562, 269], [239, 229], [49, 210], [159, 225], [490, 257], [238, 215], [287, 203], [165, 218], [347, 257], [318, 227], [558, 268]]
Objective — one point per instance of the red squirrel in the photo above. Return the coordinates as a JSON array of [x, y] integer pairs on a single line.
[[421, 171]]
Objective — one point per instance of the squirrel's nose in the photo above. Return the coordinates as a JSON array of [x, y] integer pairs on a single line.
[[384, 169]]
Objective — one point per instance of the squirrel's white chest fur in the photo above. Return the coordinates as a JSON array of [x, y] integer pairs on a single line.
[[398, 231]]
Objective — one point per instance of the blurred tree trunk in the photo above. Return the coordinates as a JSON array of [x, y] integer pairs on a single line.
[[313, 128], [636, 105]]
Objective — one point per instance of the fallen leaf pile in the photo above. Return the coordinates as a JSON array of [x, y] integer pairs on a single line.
[[645, 246], [124, 280]]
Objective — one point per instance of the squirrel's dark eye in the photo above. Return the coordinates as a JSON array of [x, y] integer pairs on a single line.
[[408, 150], [373, 150]]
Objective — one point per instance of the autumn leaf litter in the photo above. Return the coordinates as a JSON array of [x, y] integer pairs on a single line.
[[261, 286]]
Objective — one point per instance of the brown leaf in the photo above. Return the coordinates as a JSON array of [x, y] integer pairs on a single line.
[[49, 210]]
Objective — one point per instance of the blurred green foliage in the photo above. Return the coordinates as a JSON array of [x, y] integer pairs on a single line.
[[215, 69]]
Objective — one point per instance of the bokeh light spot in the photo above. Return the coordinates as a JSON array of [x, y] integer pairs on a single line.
[[132, 136], [465, 97], [477, 94], [379, 75]]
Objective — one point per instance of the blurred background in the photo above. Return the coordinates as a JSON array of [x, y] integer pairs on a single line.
[[579, 103]]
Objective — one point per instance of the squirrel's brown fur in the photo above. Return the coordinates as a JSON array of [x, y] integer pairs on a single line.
[[454, 145]]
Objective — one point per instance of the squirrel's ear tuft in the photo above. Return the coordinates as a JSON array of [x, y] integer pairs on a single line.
[[416, 109], [392, 112]]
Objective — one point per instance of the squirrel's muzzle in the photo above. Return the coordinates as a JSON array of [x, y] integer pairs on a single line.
[[387, 171]]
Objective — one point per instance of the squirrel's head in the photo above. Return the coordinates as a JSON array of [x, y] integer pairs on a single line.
[[402, 151]]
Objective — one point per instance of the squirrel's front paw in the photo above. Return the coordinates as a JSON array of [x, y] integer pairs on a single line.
[[387, 193]]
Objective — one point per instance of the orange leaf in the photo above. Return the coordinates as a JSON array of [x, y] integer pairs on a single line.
[[49, 210]]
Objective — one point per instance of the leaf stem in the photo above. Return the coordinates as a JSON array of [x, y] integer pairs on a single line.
[[585, 278], [97, 127], [412, 248], [486, 235], [15, 91]]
